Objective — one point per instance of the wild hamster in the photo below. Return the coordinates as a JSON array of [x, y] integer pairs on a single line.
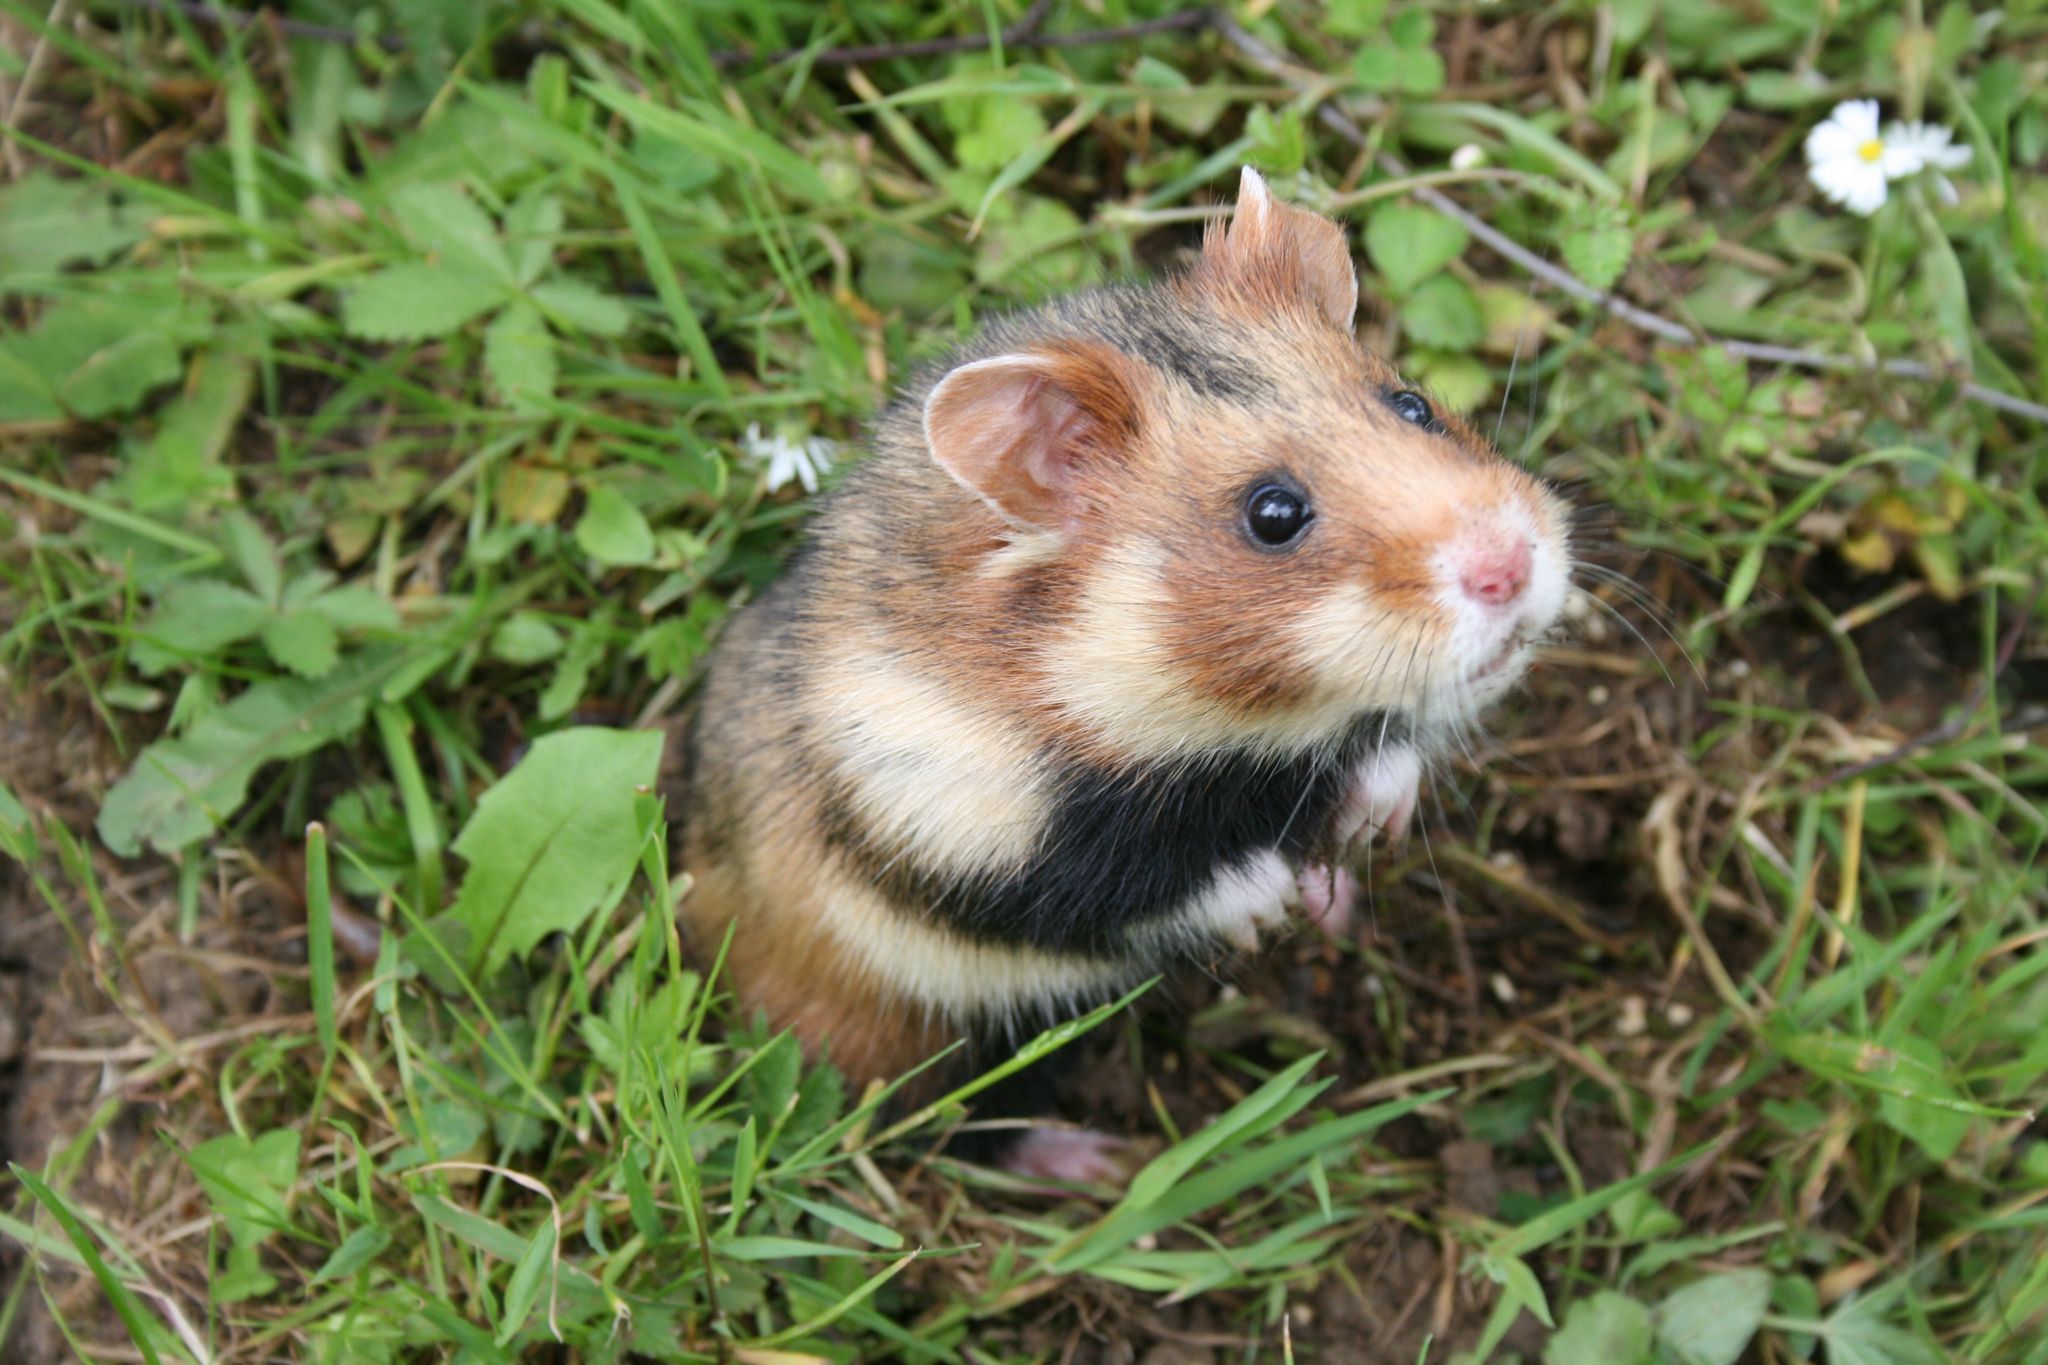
[[1147, 603]]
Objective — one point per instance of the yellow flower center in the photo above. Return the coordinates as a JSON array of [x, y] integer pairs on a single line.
[[1871, 150]]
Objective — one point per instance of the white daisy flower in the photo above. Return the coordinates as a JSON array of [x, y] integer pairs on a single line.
[[801, 461], [1930, 142], [1850, 163]]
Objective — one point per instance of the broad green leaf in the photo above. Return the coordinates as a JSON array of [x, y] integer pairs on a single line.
[[1857, 1334], [303, 641], [1442, 313], [612, 530], [181, 466], [356, 608], [196, 618], [453, 230], [91, 357], [1711, 1321], [47, 223], [414, 301], [524, 638], [246, 1180], [552, 840], [1409, 243], [1609, 1328], [576, 305], [519, 356], [1638, 1216], [253, 555], [179, 789], [529, 1276]]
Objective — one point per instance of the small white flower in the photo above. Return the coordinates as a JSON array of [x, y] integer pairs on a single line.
[[1468, 156], [802, 461], [1930, 142], [1850, 163]]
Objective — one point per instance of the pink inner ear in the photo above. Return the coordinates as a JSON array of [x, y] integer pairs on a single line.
[[1007, 431]]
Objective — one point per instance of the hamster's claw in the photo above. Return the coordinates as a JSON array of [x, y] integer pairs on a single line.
[[1072, 1156]]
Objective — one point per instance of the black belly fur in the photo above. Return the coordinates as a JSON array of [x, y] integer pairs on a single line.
[[1126, 849]]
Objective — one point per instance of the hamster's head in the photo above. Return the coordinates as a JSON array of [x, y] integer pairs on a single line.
[[1261, 532]]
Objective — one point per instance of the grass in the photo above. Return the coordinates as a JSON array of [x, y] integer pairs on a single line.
[[380, 450]]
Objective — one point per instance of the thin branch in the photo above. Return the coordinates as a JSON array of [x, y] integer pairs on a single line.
[[1954, 726], [1341, 123]]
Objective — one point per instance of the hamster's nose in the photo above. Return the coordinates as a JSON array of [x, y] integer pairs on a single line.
[[1495, 574]]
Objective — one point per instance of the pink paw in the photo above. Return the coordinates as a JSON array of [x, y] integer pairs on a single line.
[[1072, 1156], [1382, 798], [1327, 895]]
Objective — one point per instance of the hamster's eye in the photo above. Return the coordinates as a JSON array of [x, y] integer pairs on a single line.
[[1411, 406], [1276, 514]]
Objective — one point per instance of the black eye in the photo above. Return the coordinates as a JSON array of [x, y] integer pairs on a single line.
[[1411, 406], [1275, 513]]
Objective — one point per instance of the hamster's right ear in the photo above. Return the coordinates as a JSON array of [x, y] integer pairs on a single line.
[[1022, 431]]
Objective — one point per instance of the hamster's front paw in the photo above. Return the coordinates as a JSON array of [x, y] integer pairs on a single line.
[[1327, 894], [1382, 797], [1073, 1156]]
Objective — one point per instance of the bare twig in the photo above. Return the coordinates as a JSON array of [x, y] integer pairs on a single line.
[[1341, 123], [1954, 726]]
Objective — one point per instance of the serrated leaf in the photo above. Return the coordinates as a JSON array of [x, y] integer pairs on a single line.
[[531, 226], [90, 358], [179, 788], [194, 619], [303, 641], [1443, 314], [612, 530], [574, 304], [355, 608], [1598, 243], [519, 356], [47, 223], [1609, 1328], [551, 840], [414, 301], [252, 554], [1409, 243], [1711, 1321], [453, 229], [1857, 1334]]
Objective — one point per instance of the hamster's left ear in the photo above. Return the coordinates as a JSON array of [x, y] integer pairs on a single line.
[[1029, 431], [1273, 256]]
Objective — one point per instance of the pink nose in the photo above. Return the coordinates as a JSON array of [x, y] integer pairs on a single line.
[[1495, 574]]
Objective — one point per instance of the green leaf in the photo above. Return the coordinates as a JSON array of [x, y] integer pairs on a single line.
[[529, 1277], [531, 225], [179, 789], [1279, 141], [1638, 1216], [415, 301], [357, 1250], [576, 305], [1597, 242], [303, 641], [181, 467], [1610, 1328], [1710, 1321], [1857, 1334], [91, 358], [253, 555], [519, 356], [246, 1179], [356, 608], [453, 230], [552, 840], [197, 618], [524, 638], [1444, 314], [1409, 243], [138, 1322], [612, 530], [1003, 129], [47, 224]]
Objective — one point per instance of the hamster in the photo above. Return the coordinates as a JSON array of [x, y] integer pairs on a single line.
[[1146, 604]]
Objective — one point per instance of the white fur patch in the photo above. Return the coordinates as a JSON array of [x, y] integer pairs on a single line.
[[928, 771]]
